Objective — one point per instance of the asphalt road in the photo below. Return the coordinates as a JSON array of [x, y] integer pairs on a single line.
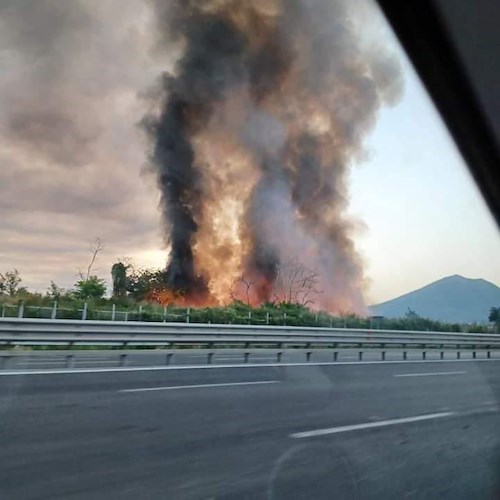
[[387, 430]]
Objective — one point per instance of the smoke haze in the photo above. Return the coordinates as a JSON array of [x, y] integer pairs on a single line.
[[261, 111], [70, 151], [252, 139]]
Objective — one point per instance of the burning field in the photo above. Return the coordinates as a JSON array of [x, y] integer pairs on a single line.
[[252, 137]]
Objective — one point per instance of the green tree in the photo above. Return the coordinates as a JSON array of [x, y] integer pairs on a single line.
[[494, 317], [119, 276], [91, 288], [54, 291], [9, 282], [142, 283]]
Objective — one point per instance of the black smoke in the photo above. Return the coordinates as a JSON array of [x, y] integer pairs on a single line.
[[309, 90]]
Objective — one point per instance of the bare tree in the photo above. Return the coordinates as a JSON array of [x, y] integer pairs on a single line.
[[295, 283], [95, 246], [241, 283]]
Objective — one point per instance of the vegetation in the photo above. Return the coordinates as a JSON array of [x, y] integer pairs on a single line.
[[9, 283], [119, 276], [135, 298], [55, 292], [70, 305], [90, 288], [494, 318]]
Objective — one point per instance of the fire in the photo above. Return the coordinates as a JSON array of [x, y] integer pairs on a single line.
[[266, 111], [167, 297]]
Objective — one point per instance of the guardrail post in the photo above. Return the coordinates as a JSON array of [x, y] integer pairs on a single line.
[[210, 357], [140, 312], [267, 318], [188, 312], [442, 355], [360, 355], [335, 355], [123, 359], [404, 355], [249, 317], [458, 354], [308, 356], [53, 314], [70, 361], [488, 354], [84, 311], [383, 355], [474, 354], [168, 358], [331, 322], [423, 354], [284, 319], [20, 311], [164, 314], [278, 357], [247, 355], [113, 312], [126, 315]]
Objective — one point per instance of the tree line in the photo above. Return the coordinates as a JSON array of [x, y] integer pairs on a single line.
[[292, 298]]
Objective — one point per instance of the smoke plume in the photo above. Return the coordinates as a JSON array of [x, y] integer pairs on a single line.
[[252, 138]]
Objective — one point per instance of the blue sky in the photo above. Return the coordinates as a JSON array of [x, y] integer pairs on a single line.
[[423, 215]]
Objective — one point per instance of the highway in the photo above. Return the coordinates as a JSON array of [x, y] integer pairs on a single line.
[[366, 430]]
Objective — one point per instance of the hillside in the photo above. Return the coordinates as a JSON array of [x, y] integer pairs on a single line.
[[452, 299]]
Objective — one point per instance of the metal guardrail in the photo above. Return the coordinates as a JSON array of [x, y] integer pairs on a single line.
[[18, 331]]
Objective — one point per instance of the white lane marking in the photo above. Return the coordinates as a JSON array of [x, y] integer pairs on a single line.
[[41, 361], [90, 361], [198, 386], [428, 374], [270, 358], [63, 371], [370, 425], [76, 360]]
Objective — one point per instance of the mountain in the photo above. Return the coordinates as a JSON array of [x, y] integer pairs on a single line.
[[453, 299]]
